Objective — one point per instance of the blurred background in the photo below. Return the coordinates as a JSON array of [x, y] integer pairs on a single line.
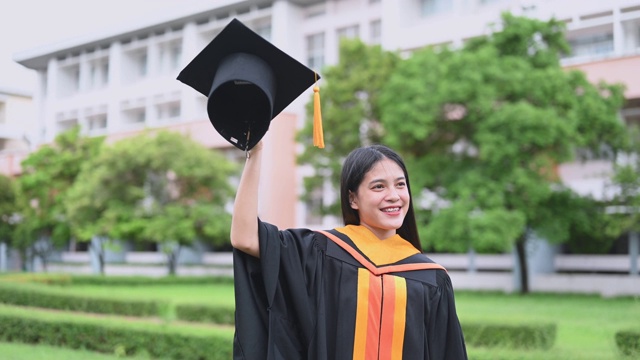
[[108, 70]]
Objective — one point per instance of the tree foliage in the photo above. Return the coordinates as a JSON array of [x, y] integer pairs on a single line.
[[8, 208], [624, 207], [350, 111], [159, 188], [485, 128], [48, 173]]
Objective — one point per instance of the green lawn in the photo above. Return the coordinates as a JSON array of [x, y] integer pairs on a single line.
[[585, 324], [197, 329], [14, 351]]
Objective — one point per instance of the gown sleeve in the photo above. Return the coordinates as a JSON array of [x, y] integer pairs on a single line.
[[274, 306], [444, 333]]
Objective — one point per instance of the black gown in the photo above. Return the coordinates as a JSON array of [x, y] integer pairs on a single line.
[[316, 295]]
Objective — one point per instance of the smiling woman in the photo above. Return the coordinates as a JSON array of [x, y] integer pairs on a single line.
[[361, 291]]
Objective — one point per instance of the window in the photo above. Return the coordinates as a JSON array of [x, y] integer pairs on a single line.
[[66, 124], [264, 30], [168, 111], [592, 45], [348, 32], [69, 82], [433, 7], [97, 122], [315, 51], [135, 65], [141, 64], [631, 112], [170, 56], [98, 73], [375, 29], [134, 116], [3, 113]]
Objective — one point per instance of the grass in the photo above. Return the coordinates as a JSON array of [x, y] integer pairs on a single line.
[[15, 351], [197, 329], [210, 293], [586, 324]]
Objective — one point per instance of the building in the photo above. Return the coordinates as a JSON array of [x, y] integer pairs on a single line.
[[121, 81], [17, 129]]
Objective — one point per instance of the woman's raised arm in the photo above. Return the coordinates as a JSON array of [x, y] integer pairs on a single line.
[[244, 221]]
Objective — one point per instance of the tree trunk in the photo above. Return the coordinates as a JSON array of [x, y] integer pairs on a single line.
[[44, 259], [522, 261], [23, 260], [97, 249], [101, 263], [171, 258]]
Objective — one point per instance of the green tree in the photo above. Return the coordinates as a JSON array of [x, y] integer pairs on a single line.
[[350, 112], [159, 187], [485, 127], [8, 208], [624, 208], [47, 175]]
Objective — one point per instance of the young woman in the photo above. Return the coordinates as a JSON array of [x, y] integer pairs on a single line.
[[363, 291]]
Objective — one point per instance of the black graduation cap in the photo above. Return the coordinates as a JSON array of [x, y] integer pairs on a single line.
[[248, 82]]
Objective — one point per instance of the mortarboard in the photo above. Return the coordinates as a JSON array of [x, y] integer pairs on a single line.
[[248, 82]]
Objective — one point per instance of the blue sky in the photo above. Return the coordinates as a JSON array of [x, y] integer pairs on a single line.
[[27, 24]]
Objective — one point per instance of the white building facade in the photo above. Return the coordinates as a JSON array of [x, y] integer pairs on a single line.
[[17, 128], [123, 81]]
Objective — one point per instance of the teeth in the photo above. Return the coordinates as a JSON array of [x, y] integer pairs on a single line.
[[391, 209]]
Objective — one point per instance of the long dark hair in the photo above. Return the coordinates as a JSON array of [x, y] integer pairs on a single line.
[[356, 165]]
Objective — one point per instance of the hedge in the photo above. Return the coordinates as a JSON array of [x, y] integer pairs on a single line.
[[144, 281], [203, 313], [188, 312], [121, 341], [522, 336], [34, 298], [63, 279], [628, 342]]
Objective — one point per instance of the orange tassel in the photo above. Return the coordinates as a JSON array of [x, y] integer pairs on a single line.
[[318, 136]]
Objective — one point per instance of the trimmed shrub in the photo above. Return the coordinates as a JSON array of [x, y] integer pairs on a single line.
[[108, 339], [628, 342], [64, 279], [144, 281], [524, 336], [34, 298], [203, 313]]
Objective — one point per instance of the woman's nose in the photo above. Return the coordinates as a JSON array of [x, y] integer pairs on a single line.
[[393, 196]]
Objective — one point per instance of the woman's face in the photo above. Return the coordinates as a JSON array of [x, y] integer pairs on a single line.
[[382, 199]]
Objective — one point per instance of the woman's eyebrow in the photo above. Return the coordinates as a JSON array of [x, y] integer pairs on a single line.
[[384, 181]]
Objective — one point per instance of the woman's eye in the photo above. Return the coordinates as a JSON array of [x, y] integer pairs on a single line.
[[378, 186], [401, 184]]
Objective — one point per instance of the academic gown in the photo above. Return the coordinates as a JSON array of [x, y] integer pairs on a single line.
[[323, 295]]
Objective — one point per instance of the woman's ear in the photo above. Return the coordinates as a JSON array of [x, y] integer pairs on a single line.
[[352, 201]]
